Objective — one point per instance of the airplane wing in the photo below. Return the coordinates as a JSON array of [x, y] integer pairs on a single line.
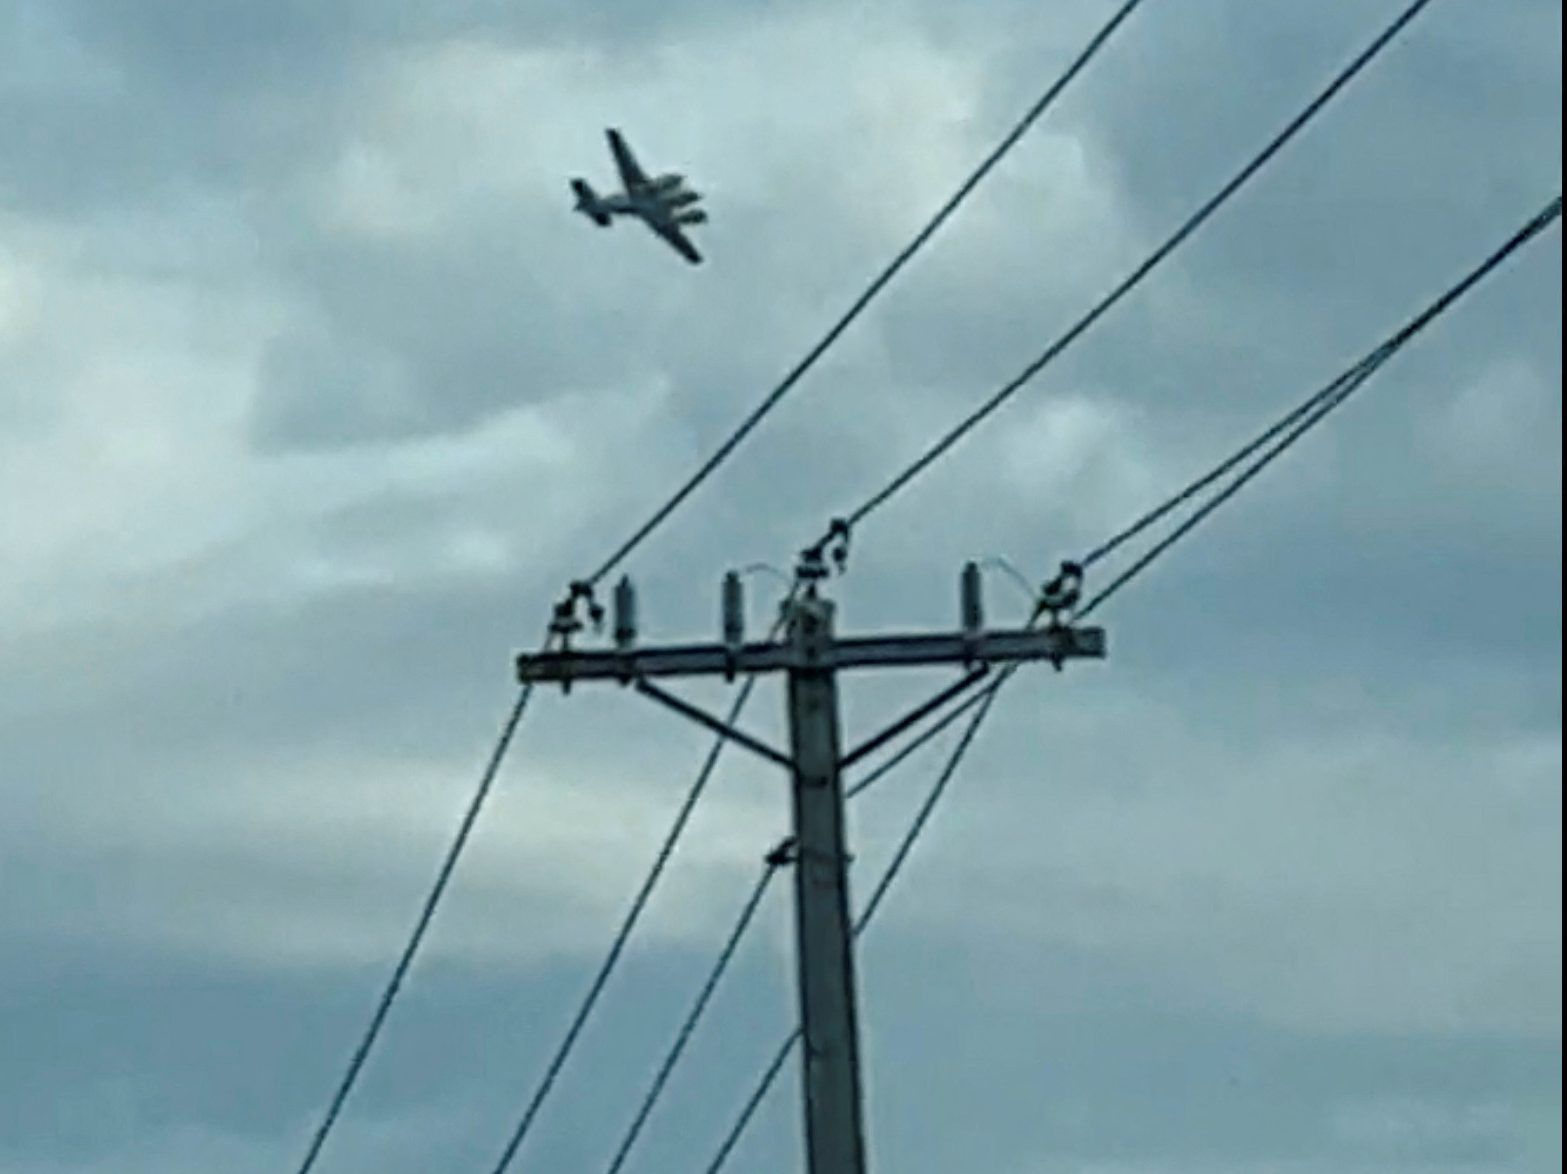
[[678, 240], [631, 175]]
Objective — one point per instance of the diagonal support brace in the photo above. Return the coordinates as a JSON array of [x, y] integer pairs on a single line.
[[914, 715], [681, 706]]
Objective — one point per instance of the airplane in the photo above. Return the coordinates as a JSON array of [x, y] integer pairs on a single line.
[[664, 202]]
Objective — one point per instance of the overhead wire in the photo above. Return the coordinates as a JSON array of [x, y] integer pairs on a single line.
[[1284, 433], [1305, 417], [688, 1026], [421, 927], [1133, 279], [623, 935], [1110, 545], [1289, 429], [772, 399]]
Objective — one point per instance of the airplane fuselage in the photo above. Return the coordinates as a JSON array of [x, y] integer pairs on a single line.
[[621, 205], [663, 202], [648, 203]]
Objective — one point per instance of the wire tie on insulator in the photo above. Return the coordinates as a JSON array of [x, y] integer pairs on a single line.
[[838, 535]]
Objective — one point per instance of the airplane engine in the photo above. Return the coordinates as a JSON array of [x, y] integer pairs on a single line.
[[691, 216], [679, 199], [669, 183]]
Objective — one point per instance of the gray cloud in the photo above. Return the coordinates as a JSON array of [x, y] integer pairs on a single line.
[[312, 393], [136, 101]]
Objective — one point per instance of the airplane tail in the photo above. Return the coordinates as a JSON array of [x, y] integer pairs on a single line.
[[588, 203]]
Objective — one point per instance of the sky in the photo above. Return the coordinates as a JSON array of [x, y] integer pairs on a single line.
[[314, 394]]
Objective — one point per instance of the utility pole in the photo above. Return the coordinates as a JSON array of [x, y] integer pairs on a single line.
[[834, 1133], [812, 655]]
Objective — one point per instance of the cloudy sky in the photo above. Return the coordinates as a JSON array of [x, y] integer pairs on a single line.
[[313, 393]]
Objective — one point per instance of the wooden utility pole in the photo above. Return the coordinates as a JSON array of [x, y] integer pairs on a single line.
[[812, 655]]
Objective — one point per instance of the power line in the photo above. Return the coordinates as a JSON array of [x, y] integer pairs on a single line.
[[687, 1028], [633, 916], [983, 701], [1288, 430], [1300, 421], [487, 780], [1175, 501], [1293, 426], [927, 808], [622, 936], [776, 395], [421, 926], [754, 1101], [1133, 279]]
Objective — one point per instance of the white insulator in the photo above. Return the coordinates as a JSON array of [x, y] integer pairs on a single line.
[[733, 611], [971, 605], [625, 613]]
